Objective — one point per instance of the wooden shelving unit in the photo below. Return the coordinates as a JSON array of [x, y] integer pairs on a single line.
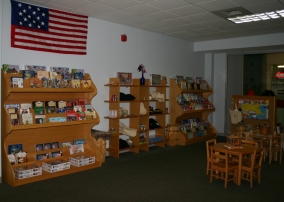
[[30, 135], [271, 121], [141, 93], [177, 114]]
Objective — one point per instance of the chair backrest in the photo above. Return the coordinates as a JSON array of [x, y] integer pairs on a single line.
[[250, 142], [276, 141], [208, 144], [257, 158], [219, 155]]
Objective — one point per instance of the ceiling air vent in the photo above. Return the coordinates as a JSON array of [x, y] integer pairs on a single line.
[[232, 12]]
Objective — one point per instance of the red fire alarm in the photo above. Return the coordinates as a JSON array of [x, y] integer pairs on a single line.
[[123, 38]]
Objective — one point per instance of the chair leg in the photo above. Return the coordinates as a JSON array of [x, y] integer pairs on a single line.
[[207, 168], [226, 180], [280, 156], [251, 179]]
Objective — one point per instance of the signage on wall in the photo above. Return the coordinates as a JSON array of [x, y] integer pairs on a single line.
[[279, 75]]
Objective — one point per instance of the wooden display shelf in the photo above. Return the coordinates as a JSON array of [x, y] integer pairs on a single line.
[[141, 93], [31, 135], [271, 120], [177, 114]]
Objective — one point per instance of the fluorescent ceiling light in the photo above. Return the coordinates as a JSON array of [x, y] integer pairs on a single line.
[[257, 17]]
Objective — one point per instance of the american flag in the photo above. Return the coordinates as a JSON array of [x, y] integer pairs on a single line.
[[42, 29]]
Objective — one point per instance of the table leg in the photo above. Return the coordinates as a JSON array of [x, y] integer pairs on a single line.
[[240, 170]]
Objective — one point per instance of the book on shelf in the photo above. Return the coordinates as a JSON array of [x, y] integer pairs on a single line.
[[62, 71], [17, 82], [81, 116], [76, 83], [198, 79], [40, 119], [125, 78], [41, 156], [71, 116], [54, 75], [27, 119], [178, 79], [14, 118], [39, 110], [67, 75], [26, 105], [34, 82], [66, 144], [28, 74], [56, 154], [39, 147], [82, 101], [50, 110], [47, 146], [90, 114], [66, 83], [86, 83], [15, 148], [78, 73], [12, 159], [57, 119], [156, 79], [54, 145], [11, 69], [46, 82], [69, 108], [42, 74], [72, 103], [12, 108], [74, 149], [79, 141], [24, 110], [35, 68], [61, 104], [77, 108], [56, 82]]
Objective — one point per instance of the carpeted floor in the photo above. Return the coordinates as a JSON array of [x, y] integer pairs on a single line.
[[162, 174]]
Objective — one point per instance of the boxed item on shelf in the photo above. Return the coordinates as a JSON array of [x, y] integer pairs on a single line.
[[82, 160], [27, 171], [155, 139], [55, 166]]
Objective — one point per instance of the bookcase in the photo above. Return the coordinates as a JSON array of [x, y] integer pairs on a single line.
[[141, 94], [32, 134], [177, 114], [252, 101]]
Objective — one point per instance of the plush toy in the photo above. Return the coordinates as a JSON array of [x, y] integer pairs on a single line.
[[142, 69]]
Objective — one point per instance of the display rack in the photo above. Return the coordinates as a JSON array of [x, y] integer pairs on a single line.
[[30, 135], [177, 114], [255, 122], [141, 94]]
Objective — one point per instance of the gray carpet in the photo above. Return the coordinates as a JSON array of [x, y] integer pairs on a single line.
[[162, 174]]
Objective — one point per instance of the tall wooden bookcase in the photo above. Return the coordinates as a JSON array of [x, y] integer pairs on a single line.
[[271, 111], [177, 114], [30, 135], [141, 94]]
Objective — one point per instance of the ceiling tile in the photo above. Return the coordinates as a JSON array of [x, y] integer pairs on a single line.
[[142, 9], [203, 17], [119, 5], [206, 30], [163, 15], [217, 23], [73, 4], [120, 15], [249, 2], [196, 1], [265, 7], [193, 26], [139, 20], [155, 25], [187, 10], [35, 2], [97, 9], [216, 5], [178, 21], [169, 30], [168, 4]]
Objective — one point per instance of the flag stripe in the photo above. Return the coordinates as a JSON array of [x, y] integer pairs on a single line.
[[51, 35], [61, 32], [47, 42], [49, 49]]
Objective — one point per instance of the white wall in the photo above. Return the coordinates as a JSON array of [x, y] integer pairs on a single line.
[[220, 77], [106, 55]]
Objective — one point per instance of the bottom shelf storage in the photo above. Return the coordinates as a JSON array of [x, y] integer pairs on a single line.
[[184, 140]]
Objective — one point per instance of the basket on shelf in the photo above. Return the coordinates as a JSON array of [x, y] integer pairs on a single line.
[[264, 129]]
